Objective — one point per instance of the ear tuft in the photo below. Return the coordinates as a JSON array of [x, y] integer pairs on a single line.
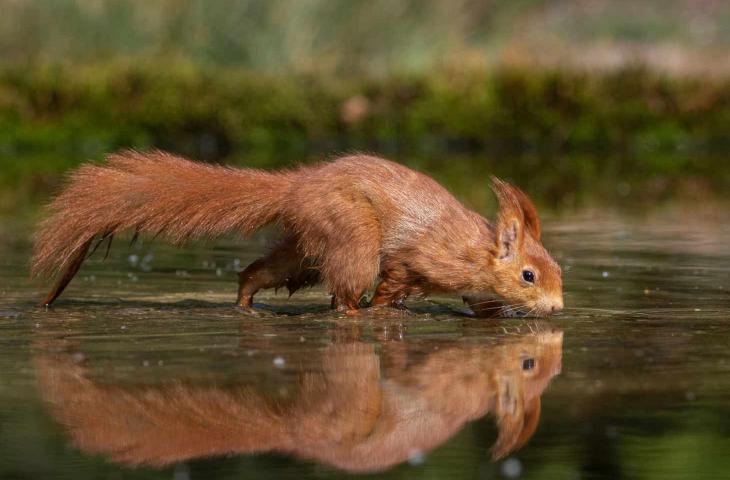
[[510, 198]]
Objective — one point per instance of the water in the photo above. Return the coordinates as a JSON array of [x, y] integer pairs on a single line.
[[145, 370]]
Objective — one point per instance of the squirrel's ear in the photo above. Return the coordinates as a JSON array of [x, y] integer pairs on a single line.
[[509, 410], [514, 195], [510, 221], [532, 221], [516, 429]]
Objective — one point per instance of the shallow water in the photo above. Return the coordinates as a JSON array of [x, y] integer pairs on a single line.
[[145, 370]]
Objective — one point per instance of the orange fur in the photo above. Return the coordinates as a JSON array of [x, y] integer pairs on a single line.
[[345, 223]]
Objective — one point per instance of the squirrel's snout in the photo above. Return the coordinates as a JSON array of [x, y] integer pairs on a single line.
[[556, 306], [552, 305]]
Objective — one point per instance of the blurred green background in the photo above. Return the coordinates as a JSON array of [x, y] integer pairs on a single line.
[[580, 102]]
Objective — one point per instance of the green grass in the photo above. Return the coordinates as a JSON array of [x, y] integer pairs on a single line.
[[103, 107]]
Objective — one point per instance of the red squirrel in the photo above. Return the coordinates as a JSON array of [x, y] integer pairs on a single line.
[[345, 223]]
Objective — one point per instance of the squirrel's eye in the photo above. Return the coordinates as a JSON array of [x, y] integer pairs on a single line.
[[528, 276], [528, 364]]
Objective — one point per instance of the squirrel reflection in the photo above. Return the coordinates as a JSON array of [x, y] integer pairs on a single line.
[[353, 413]]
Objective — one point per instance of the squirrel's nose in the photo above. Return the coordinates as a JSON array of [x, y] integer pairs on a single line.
[[557, 306]]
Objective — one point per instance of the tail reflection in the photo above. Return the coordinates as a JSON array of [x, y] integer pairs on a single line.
[[366, 408]]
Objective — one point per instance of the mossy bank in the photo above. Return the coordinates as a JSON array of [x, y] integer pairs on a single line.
[[574, 129]]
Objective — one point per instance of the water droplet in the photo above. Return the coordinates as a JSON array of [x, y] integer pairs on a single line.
[[181, 472], [511, 468], [416, 458]]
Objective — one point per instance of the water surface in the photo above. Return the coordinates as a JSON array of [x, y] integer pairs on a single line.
[[145, 370]]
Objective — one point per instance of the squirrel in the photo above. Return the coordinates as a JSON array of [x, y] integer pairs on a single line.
[[345, 222]]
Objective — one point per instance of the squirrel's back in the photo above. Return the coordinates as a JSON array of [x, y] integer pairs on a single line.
[[406, 204]]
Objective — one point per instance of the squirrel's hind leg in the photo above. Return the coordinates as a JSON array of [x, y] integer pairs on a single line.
[[284, 266]]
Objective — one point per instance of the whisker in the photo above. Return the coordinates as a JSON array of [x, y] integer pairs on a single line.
[[500, 304], [485, 302]]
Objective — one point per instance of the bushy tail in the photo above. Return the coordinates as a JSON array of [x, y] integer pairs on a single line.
[[153, 193]]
